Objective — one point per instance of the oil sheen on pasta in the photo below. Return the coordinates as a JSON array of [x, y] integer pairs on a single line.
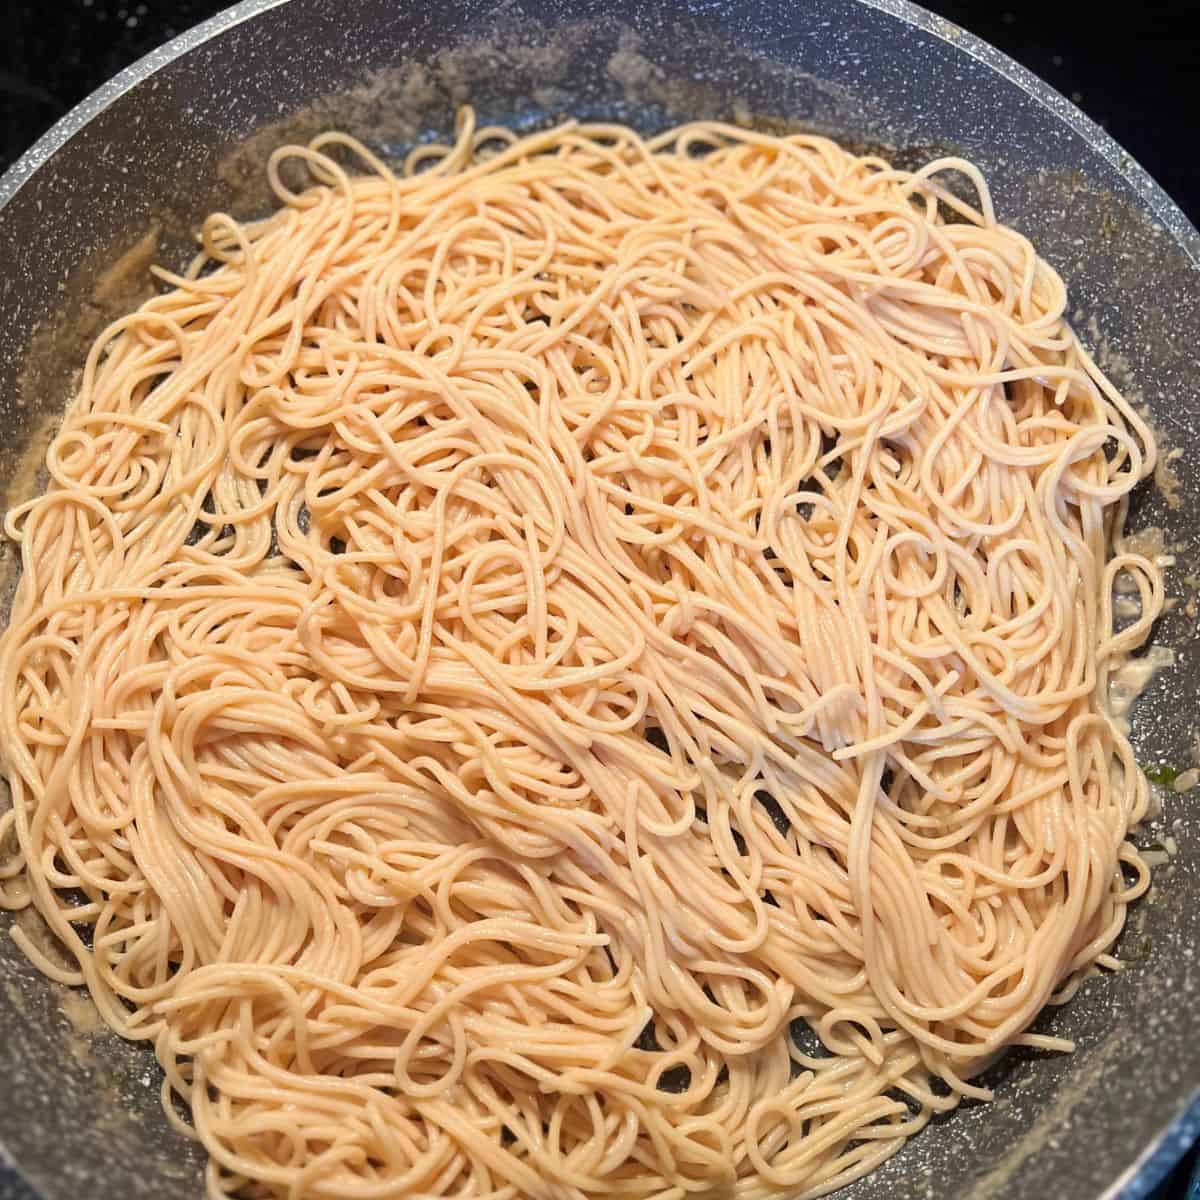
[[577, 668]]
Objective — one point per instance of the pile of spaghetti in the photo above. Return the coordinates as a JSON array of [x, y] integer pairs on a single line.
[[577, 668]]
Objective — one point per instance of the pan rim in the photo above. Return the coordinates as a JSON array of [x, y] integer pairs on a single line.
[[1154, 197]]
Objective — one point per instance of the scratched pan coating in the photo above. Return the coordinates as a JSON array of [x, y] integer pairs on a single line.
[[127, 176]]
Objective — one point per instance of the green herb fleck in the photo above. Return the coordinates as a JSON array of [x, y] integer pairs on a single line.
[[1162, 773]]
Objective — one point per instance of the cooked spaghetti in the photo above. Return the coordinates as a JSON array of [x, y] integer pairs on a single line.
[[578, 668]]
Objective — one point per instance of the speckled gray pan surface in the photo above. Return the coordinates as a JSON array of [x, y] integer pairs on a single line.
[[186, 131]]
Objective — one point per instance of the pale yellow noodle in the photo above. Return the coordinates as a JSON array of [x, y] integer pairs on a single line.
[[579, 669]]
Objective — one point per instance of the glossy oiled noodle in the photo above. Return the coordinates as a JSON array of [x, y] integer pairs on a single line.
[[577, 669]]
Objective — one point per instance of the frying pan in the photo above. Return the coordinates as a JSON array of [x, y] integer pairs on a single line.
[[127, 175]]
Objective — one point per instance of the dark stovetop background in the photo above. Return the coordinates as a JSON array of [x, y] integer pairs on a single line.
[[1135, 74]]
